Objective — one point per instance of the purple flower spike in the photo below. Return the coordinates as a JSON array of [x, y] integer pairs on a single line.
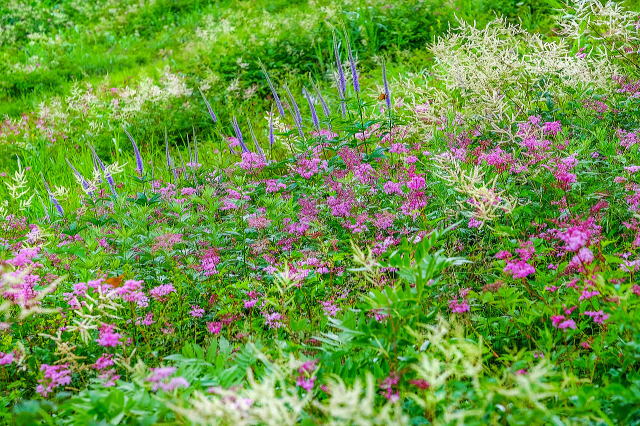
[[340, 79], [136, 151], [209, 109], [387, 92], [255, 142], [354, 71], [273, 91], [272, 137], [108, 177], [312, 108], [323, 103], [343, 104], [297, 117], [83, 181], [52, 198], [238, 133]]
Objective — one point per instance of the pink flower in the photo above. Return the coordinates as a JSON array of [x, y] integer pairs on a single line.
[[416, 183], [130, 292], [420, 383], [107, 337], [330, 308], [559, 321], [274, 186], [54, 376], [109, 378], [519, 269], [475, 223], [160, 291], [6, 358], [391, 187], [598, 317], [388, 387], [214, 327], [503, 254], [209, 262], [459, 306], [158, 379], [258, 222], [586, 294], [574, 238], [273, 320], [552, 127], [196, 311], [306, 383], [105, 361], [251, 161]]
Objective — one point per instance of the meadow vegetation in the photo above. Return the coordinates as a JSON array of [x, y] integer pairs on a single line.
[[319, 212]]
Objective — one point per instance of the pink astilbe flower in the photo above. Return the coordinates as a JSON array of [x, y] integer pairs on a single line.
[[214, 327], [104, 362], [108, 338], [109, 377], [585, 255], [258, 222], [166, 241], [252, 161], [209, 261], [391, 187], [273, 320], [161, 291], [330, 308], [274, 186], [130, 292], [598, 317], [308, 167], [6, 358], [306, 383], [24, 257], [420, 383], [388, 387], [552, 127], [475, 223], [459, 306], [196, 311], [574, 238], [586, 294], [158, 379], [54, 376], [519, 269], [559, 321], [416, 183]]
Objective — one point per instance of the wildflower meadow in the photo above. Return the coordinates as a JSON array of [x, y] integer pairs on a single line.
[[343, 212]]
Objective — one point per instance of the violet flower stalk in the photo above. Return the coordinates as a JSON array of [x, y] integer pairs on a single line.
[[136, 151], [107, 175], [209, 109], [80, 178], [340, 79], [238, 133], [354, 71], [52, 198], [325, 108], [272, 137], [387, 92], [312, 108], [297, 117], [255, 142], [170, 165], [273, 90]]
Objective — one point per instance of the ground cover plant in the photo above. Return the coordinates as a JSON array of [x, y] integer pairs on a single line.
[[371, 213]]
